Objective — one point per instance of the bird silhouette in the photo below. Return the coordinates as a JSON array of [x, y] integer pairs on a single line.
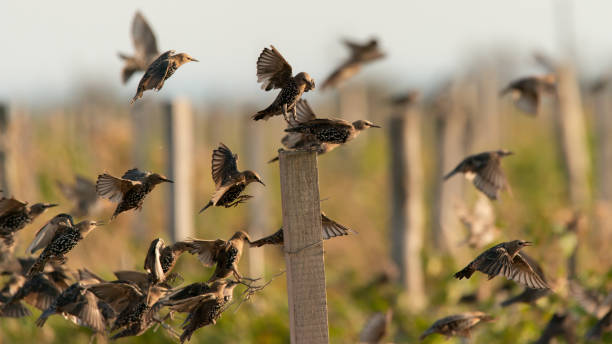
[[145, 48], [361, 54], [485, 172], [526, 92], [457, 325]]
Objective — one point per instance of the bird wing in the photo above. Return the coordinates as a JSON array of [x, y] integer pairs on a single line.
[[113, 188], [85, 276], [332, 228], [117, 294], [520, 271], [493, 261], [375, 328], [223, 165], [87, 312], [207, 250], [43, 237], [143, 38], [188, 304], [135, 175], [155, 75], [273, 71], [152, 262], [39, 292], [354, 47], [304, 112], [138, 278], [528, 101], [8, 205], [490, 178], [344, 72]]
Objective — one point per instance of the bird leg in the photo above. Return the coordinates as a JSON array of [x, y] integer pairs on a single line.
[[240, 199], [236, 273], [295, 113], [167, 327], [285, 113]]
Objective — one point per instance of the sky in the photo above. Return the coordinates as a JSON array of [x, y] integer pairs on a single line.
[[51, 48]]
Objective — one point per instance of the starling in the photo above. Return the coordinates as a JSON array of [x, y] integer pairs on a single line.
[[303, 141], [58, 241], [457, 325], [331, 229], [274, 72], [161, 259], [225, 254], [361, 54], [229, 182], [82, 193], [560, 325], [332, 131], [160, 70], [46, 233], [484, 170], [129, 190], [529, 295], [14, 215], [603, 325], [505, 259], [406, 99], [526, 92], [145, 48], [131, 304], [204, 309], [376, 328], [591, 301]]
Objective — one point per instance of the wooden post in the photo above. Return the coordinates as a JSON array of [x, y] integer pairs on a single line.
[[407, 203], [303, 247], [4, 122], [603, 128], [179, 119]]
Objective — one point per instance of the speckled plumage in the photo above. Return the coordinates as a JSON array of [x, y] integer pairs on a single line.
[[332, 131]]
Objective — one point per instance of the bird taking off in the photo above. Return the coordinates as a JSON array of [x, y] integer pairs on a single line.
[[145, 48], [130, 190], [506, 259], [457, 325], [526, 92], [273, 71], [159, 71], [361, 54], [484, 170], [229, 182]]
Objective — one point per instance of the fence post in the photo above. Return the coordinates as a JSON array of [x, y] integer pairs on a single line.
[[407, 202], [179, 119], [4, 123], [303, 247]]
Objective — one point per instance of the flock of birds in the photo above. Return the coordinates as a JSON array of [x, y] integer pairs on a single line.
[[131, 304]]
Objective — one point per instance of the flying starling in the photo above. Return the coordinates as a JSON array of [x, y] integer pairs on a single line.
[[332, 131], [161, 259], [225, 254], [14, 215], [302, 141], [505, 259], [529, 295], [560, 325], [485, 172], [145, 48], [361, 54], [331, 229], [591, 301], [603, 325], [526, 92], [130, 190], [407, 99], [58, 241], [229, 182], [131, 304], [82, 193], [457, 325], [159, 71], [274, 72], [376, 328]]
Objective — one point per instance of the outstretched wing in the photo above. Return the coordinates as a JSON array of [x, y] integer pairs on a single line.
[[273, 71], [223, 165], [117, 294], [521, 272], [206, 250], [332, 228], [143, 38], [113, 188], [490, 178], [44, 236], [304, 112]]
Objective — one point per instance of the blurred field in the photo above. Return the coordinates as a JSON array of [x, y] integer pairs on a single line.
[[94, 133]]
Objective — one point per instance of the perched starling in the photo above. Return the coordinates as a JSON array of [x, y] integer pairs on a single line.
[[229, 182], [225, 254], [303, 141], [131, 304], [505, 259], [58, 241], [14, 215], [361, 54], [145, 48], [160, 70], [161, 259], [560, 325], [332, 131], [331, 229], [274, 72], [82, 193], [529, 295], [130, 190], [376, 328], [603, 325], [457, 325], [526, 92], [484, 170]]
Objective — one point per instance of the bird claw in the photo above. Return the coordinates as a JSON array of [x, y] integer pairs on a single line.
[[240, 199]]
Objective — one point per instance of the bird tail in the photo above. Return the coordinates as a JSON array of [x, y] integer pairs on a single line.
[[266, 113], [15, 309], [450, 174], [425, 334], [465, 273], [273, 159], [510, 301], [40, 322], [210, 203], [186, 335], [38, 266]]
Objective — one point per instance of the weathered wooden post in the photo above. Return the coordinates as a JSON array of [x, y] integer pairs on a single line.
[[179, 119], [407, 209], [303, 247], [4, 121]]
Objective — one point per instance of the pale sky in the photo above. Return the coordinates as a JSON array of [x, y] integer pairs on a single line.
[[51, 47]]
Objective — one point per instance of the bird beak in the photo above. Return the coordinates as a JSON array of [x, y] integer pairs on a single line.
[[312, 85], [100, 223], [260, 182], [194, 60], [374, 126], [528, 243], [50, 205], [509, 153], [167, 180]]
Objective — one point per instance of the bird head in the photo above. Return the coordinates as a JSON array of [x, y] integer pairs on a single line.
[[241, 235], [516, 245], [228, 291], [305, 79], [504, 152], [63, 219], [363, 124], [39, 208], [252, 176], [183, 58], [84, 227], [156, 178]]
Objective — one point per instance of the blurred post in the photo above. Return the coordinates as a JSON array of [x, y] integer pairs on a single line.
[[407, 200], [179, 119], [257, 216], [140, 130], [303, 247], [4, 123], [603, 130]]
